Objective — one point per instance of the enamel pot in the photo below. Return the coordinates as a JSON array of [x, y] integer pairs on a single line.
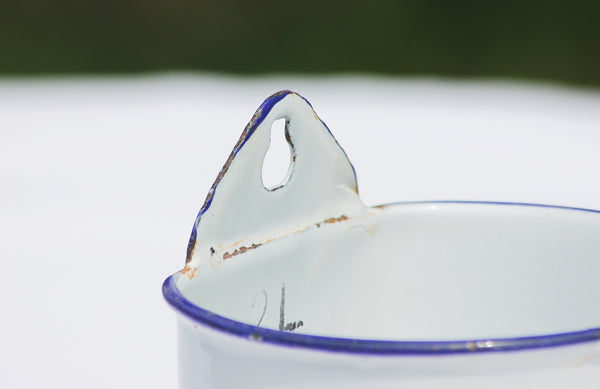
[[302, 286]]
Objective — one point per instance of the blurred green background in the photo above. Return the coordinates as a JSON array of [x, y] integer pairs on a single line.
[[549, 40]]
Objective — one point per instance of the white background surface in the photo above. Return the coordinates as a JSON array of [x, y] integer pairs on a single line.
[[101, 180]]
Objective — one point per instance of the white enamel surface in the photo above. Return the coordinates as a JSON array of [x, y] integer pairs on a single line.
[[405, 272], [420, 272], [320, 184], [210, 359], [102, 179]]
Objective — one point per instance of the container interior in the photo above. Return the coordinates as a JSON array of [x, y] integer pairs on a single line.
[[418, 271]]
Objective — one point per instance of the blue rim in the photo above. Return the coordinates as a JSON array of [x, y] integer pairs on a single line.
[[380, 347], [259, 116]]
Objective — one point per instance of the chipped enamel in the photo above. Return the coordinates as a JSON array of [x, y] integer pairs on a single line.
[[243, 214], [304, 286]]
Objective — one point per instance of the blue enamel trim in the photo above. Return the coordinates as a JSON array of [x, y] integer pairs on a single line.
[[379, 347], [259, 116]]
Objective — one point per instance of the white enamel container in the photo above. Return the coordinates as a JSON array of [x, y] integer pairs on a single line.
[[302, 286]]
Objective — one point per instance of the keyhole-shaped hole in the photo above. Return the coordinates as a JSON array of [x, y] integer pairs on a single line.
[[278, 159]]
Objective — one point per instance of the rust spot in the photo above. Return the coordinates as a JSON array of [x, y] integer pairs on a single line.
[[190, 272], [241, 250], [315, 114], [255, 337], [191, 247], [288, 138], [287, 132], [332, 220]]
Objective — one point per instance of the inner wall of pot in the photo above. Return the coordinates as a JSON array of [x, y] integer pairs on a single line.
[[428, 271]]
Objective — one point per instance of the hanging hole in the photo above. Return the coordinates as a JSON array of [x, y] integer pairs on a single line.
[[276, 164]]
